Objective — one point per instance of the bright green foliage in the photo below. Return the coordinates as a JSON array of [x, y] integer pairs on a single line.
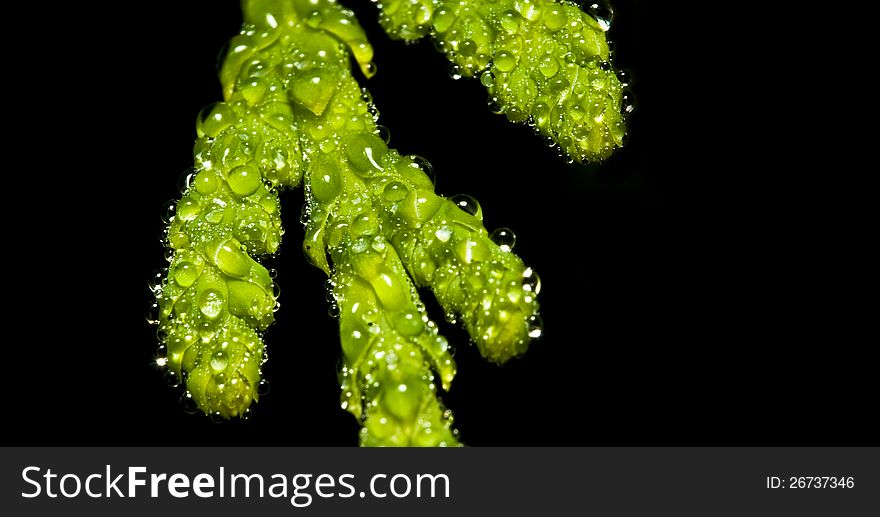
[[374, 225], [542, 62], [217, 298]]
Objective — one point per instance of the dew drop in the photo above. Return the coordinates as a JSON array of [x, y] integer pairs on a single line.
[[504, 238], [168, 210], [487, 79], [426, 167], [211, 303], [256, 68], [186, 179], [495, 106], [152, 315], [605, 65], [441, 345], [213, 119], [536, 327], [548, 66], [505, 61], [214, 216], [601, 11], [395, 192], [454, 71], [305, 214], [171, 378], [467, 204], [273, 273], [623, 77], [627, 102], [263, 387], [219, 361], [206, 183], [189, 404], [443, 233], [510, 20], [247, 414], [383, 133], [333, 310], [216, 418], [531, 281], [244, 180], [467, 48], [157, 278]]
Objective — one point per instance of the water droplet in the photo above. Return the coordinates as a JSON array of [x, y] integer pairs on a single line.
[[276, 290], [467, 204], [333, 310], [216, 418], [454, 71], [263, 387], [152, 315], [168, 210], [214, 216], [467, 48], [536, 327], [171, 378], [157, 278], [206, 182], [510, 20], [505, 61], [247, 414], [256, 68], [605, 65], [601, 11], [213, 119], [487, 79], [495, 106], [189, 404], [370, 69], [231, 259], [211, 303], [395, 192], [548, 66], [441, 345], [531, 281], [186, 179], [426, 167], [627, 102], [244, 180], [185, 273], [383, 133], [219, 361], [623, 77], [443, 233], [504, 238]]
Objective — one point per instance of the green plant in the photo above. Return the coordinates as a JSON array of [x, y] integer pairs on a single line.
[[293, 113]]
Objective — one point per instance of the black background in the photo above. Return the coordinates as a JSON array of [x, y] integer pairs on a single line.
[[686, 300]]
